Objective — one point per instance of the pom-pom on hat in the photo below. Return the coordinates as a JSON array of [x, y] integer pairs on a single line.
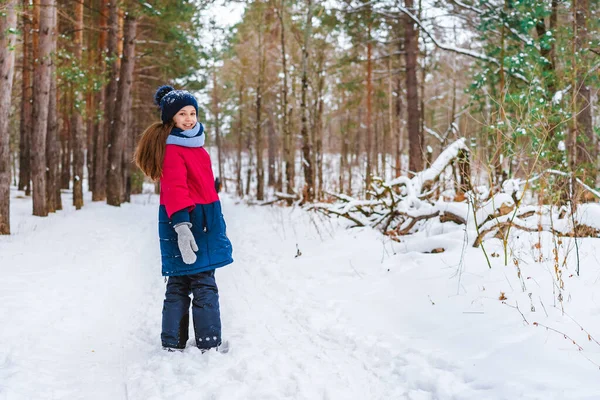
[[171, 101]]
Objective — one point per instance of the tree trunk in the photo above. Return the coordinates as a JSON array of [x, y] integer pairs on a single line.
[[92, 48], [240, 144], [399, 136], [216, 112], [128, 165], [587, 152], [356, 160], [309, 187], [422, 106], [271, 150], [77, 134], [258, 133], [259, 144], [250, 164], [65, 159], [98, 156], [118, 133], [90, 134], [319, 126], [369, 133], [553, 27], [312, 112], [288, 143], [8, 28], [41, 93], [498, 141], [26, 108], [109, 103], [345, 133], [415, 156], [52, 143], [390, 111], [319, 149]]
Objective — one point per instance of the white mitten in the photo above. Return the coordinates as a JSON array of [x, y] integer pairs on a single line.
[[186, 242]]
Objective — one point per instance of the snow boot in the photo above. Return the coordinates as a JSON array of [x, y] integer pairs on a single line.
[[221, 348]]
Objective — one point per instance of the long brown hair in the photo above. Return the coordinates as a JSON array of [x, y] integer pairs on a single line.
[[150, 151]]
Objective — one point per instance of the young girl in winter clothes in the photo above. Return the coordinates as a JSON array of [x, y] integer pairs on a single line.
[[191, 228]]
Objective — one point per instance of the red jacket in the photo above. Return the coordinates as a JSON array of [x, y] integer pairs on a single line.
[[187, 179]]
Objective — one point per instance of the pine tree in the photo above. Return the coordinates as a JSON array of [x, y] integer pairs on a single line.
[[8, 30]]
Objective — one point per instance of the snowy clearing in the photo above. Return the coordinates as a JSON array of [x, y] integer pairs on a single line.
[[355, 316]]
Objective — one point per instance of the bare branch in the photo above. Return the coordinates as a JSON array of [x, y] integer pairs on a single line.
[[468, 7], [443, 46]]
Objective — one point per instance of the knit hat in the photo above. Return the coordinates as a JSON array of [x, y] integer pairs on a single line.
[[171, 101]]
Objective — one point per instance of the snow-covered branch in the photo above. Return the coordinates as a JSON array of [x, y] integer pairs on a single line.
[[398, 204], [468, 7], [433, 133], [424, 179]]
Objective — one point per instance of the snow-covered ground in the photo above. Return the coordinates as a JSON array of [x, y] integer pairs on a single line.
[[312, 311]]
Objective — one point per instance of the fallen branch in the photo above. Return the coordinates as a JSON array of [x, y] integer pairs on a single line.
[[498, 227], [395, 206], [447, 216], [328, 211], [414, 220], [280, 196], [579, 231]]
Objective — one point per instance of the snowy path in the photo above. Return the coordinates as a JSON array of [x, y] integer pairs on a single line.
[[81, 298]]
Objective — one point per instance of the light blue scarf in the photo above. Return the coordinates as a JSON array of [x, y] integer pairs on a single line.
[[191, 138]]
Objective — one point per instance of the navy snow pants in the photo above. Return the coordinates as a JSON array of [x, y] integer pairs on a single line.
[[205, 311]]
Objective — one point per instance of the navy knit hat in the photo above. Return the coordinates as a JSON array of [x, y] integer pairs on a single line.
[[171, 101]]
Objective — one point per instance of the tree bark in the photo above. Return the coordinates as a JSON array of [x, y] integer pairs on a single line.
[[128, 166], [369, 143], [8, 28], [41, 97], [587, 152], [118, 133], [90, 134], [65, 143], [240, 144], [216, 115], [99, 193], [26, 108], [52, 144], [399, 136], [77, 134], [288, 143], [258, 132], [90, 120], [271, 150], [390, 111], [99, 123], [345, 134], [319, 134], [250, 167], [415, 156], [318, 125], [309, 187]]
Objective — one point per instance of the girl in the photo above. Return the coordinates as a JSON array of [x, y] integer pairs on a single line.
[[191, 228]]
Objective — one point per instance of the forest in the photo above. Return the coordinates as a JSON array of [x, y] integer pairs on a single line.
[[387, 113]]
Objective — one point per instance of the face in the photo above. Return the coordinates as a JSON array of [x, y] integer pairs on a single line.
[[186, 118]]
